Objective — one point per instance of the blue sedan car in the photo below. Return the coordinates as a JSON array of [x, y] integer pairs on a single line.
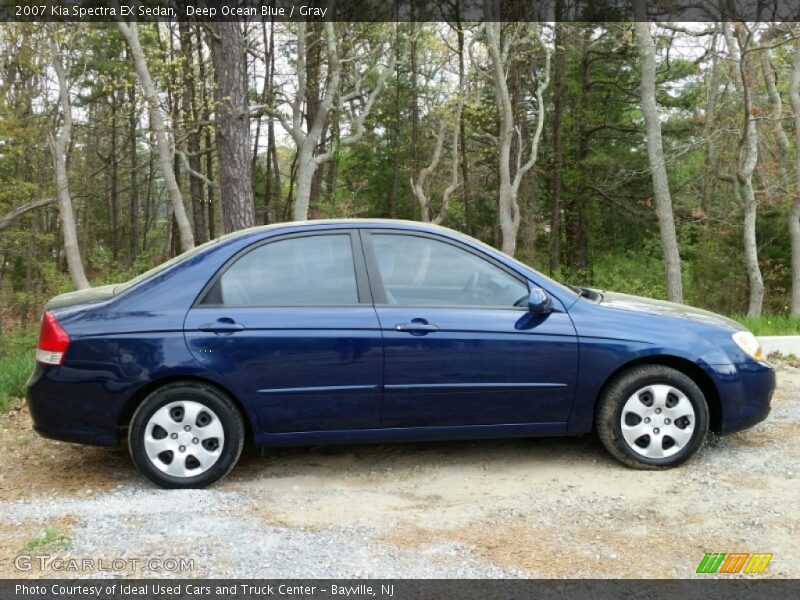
[[376, 331]]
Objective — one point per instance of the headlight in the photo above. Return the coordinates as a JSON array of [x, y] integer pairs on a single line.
[[749, 344]]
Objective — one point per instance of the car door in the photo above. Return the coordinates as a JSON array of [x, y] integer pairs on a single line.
[[460, 346], [290, 323]]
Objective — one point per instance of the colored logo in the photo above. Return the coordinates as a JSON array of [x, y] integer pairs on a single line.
[[734, 562]]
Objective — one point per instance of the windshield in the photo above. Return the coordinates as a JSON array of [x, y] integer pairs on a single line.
[[163, 266]]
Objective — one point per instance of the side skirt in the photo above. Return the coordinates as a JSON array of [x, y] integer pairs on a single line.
[[411, 434]]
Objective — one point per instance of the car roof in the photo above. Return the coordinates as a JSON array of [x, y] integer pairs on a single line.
[[354, 222], [327, 223]]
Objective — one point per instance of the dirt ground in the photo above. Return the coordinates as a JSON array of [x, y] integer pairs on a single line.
[[510, 508]]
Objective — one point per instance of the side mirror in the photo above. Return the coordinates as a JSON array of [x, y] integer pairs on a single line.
[[539, 301]]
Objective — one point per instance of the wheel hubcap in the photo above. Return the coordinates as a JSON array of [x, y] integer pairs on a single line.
[[184, 438], [657, 421]]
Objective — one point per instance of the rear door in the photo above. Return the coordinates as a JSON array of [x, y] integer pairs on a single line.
[[460, 346], [290, 323]]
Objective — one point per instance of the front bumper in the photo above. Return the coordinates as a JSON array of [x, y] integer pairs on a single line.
[[745, 392]]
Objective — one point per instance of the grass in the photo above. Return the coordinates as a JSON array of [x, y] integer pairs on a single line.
[[49, 538], [16, 364], [770, 324]]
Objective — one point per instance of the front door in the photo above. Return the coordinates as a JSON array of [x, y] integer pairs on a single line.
[[460, 346], [290, 324]]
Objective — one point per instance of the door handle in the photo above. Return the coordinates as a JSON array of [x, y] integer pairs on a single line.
[[416, 327], [223, 325]]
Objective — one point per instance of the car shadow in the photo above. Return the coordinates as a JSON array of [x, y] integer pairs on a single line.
[[402, 458]]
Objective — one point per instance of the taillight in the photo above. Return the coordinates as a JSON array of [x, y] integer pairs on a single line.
[[53, 341]]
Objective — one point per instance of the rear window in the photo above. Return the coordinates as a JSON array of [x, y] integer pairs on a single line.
[[163, 266]]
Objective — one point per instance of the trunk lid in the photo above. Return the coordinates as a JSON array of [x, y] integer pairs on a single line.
[[87, 296]]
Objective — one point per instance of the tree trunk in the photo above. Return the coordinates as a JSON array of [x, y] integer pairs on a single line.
[[794, 213], [332, 171], [462, 125], [508, 205], [751, 249], [190, 118], [559, 68], [313, 99], [232, 126], [307, 143], [747, 159], [776, 118], [655, 154], [131, 34], [148, 199], [710, 163], [10, 217], [414, 99], [306, 168], [207, 146], [59, 146], [134, 232], [114, 196], [391, 210], [577, 234], [272, 179]]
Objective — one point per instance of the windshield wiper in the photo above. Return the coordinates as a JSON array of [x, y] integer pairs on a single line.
[[586, 293], [582, 291]]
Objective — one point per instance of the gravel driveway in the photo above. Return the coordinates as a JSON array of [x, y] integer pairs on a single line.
[[511, 508]]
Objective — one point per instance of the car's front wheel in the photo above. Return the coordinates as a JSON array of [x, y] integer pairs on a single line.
[[186, 435], [652, 417]]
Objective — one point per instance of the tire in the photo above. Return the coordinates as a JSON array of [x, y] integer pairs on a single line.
[[652, 417], [186, 435]]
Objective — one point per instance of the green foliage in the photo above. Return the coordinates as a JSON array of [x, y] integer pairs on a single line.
[[111, 271], [16, 365], [770, 324], [609, 233], [632, 272], [50, 538]]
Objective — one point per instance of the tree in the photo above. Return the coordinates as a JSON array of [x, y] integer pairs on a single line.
[[794, 212], [559, 69], [59, 146], [232, 125], [418, 186], [193, 132], [130, 32], [508, 205], [739, 51], [7, 219], [655, 153], [134, 209], [308, 140]]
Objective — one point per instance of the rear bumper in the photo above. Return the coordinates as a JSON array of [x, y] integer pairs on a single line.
[[745, 392], [76, 436], [70, 411]]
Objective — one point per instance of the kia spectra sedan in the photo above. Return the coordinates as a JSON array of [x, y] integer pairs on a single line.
[[356, 331]]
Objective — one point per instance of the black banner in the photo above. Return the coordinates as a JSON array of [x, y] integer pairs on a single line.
[[394, 10], [403, 589]]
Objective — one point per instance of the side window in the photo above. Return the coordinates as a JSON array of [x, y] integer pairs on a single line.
[[313, 270], [419, 271]]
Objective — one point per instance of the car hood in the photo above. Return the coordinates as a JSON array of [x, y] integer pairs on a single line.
[[662, 307], [87, 296]]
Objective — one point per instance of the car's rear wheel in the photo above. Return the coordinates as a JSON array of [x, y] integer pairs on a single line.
[[186, 435], [652, 417]]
